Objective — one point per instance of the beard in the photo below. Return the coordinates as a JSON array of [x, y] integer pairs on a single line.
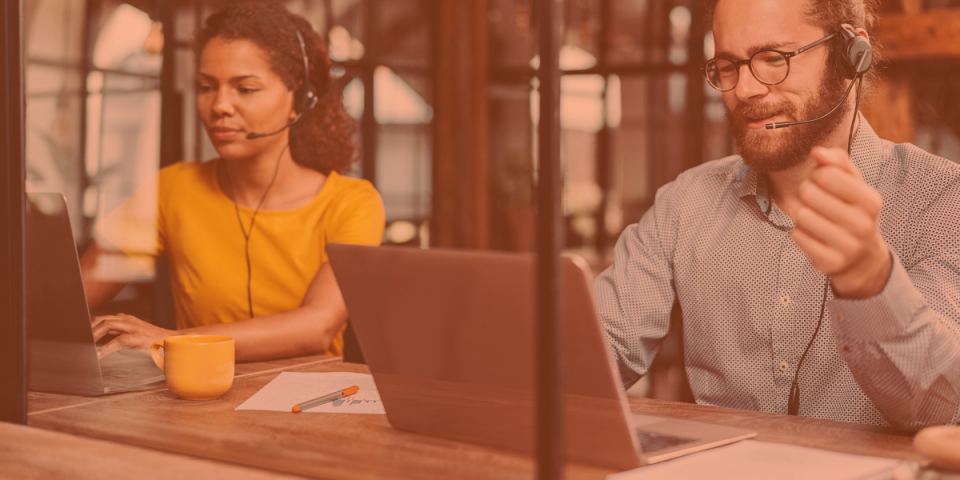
[[778, 150]]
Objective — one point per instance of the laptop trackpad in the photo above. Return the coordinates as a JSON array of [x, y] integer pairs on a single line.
[[128, 369]]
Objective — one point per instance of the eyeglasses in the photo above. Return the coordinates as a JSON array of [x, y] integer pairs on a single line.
[[767, 66]]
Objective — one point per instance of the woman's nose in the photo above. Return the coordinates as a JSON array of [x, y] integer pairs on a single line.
[[223, 103]]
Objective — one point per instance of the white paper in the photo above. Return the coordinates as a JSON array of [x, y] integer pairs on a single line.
[[292, 388], [749, 459]]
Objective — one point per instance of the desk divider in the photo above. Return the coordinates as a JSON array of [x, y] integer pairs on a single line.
[[13, 328], [550, 439]]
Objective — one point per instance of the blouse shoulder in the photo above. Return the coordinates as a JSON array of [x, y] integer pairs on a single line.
[[358, 215]]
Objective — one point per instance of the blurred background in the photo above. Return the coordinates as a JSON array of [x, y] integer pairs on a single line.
[[446, 101]]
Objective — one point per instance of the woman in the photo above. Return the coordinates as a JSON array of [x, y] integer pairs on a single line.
[[244, 234]]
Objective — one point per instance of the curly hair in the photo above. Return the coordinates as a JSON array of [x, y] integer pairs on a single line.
[[323, 138], [829, 15]]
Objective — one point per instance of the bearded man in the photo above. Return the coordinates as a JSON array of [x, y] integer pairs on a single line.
[[799, 268]]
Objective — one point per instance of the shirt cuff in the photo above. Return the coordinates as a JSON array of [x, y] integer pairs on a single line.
[[886, 315]]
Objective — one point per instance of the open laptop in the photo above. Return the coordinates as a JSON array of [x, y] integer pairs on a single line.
[[61, 353], [449, 338]]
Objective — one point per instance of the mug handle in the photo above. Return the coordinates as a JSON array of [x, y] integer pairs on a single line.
[[155, 353]]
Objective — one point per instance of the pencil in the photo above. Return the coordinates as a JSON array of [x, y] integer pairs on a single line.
[[326, 398]]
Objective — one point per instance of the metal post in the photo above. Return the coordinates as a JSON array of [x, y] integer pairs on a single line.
[[13, 324], [549, 339], [604, 160], [368, 67]]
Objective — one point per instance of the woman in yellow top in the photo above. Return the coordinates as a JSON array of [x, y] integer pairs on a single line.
[[244, 234]]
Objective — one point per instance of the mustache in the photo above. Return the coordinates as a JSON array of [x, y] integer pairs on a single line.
[[748, 112]]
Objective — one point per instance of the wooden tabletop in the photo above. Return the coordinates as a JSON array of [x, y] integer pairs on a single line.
[[365, 446], [32, 453]]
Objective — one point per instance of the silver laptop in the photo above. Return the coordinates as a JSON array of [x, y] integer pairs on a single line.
[[61, 353], [449, 338]]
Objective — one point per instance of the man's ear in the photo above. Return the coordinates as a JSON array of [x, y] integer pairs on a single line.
[[863, 33]]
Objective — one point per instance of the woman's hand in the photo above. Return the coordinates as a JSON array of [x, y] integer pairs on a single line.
[[133, 333]]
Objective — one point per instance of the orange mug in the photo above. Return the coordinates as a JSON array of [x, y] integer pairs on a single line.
[[196, 367]]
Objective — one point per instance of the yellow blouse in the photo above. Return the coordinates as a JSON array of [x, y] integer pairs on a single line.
[[198, 232]]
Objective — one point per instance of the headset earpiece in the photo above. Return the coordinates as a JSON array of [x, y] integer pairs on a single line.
[[856, 46], [306, 94], [306, 98]]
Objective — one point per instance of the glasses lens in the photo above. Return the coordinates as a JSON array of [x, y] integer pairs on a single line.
[[721, 74], [770, 67]]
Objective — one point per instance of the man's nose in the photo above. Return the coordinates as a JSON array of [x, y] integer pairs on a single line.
[[748, 87]]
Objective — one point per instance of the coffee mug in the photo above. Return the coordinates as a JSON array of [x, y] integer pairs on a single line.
[[196, 367]]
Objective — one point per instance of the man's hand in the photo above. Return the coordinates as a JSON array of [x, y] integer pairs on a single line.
[[837, 226], [133, 333]]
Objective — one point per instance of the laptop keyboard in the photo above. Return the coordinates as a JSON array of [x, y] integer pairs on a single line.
[[651, 442]]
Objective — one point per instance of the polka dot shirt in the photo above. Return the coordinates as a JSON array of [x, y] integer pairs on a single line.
[[751, 299]]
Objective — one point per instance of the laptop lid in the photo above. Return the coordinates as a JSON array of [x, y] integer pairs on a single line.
[[449, 338], [62, 356]]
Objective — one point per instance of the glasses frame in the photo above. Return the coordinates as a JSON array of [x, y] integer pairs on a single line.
[[749, 62]]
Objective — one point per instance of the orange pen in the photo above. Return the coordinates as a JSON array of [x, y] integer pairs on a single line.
[[326, 398]]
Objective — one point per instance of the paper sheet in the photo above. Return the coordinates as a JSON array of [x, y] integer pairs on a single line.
[[292, 388], [749, 459]]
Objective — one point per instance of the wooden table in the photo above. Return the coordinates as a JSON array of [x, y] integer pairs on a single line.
[[365, 446], [32, 453]]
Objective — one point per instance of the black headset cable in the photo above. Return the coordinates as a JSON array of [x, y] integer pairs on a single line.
[[793, 402], [246, 233]]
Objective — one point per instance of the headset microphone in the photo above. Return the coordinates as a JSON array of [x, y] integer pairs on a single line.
[[772, 126]]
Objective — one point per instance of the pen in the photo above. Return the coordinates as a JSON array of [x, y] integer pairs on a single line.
[[326, 398]]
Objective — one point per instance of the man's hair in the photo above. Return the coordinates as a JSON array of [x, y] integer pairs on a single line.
[[829, 15]]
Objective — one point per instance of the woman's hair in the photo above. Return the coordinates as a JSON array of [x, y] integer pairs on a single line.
[[323, 138]]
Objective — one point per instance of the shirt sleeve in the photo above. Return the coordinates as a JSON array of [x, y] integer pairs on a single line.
[[634, 296], [903, 345], [360, 220]]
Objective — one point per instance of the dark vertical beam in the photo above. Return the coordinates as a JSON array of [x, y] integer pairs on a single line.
[[603, 166], [13, 325], [460, 216], [444, 171], [198, 131], [171, 103], [476, 126], [369, 120], [693, 133], [551, 444], [328, 21], [91, 22]]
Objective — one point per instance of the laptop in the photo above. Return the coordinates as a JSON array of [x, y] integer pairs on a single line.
[[61, 353], [449, 338]]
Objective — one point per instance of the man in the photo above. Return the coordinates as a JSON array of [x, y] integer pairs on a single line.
[[793, 248]]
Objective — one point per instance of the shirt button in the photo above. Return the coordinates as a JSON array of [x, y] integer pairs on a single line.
[[839, 317], [784, 366], [785, 300]]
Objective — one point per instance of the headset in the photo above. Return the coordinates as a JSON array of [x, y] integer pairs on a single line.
[[306, 96], [305, 100], [855, 60]]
